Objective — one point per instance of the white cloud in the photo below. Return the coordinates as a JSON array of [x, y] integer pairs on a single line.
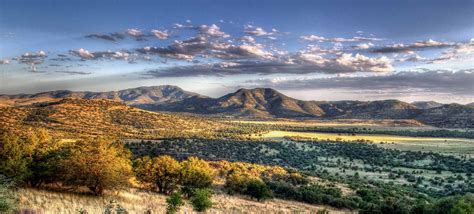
[[315, 38], [160, 34], [212, 30]]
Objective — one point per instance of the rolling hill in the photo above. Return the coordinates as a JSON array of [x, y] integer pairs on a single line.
[[72, 116], [265, 103]]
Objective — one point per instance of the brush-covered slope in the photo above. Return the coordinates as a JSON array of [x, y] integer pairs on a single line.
[[426, 104], [133, 96], [73, 116]]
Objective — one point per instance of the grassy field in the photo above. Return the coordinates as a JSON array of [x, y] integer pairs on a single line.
[[444, 145], [136, 201]]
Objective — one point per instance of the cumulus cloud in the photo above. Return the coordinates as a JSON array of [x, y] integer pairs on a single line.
[[363, 46], [212, 31], [87, 55], [33, 59], [160, 34], [315, 38], [410, 48], [458, 52], [204, 47], [258, 31], [441, 81]]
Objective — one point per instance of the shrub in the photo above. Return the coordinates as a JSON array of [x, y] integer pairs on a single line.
[[8, 199], [174, 201], [162, 172], [258, 189], [196, 174], [201, 199]]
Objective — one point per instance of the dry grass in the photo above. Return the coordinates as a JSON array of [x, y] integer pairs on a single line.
[[445, 145], [136, 201]]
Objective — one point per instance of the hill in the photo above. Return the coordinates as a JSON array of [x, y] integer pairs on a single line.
[[73, 116], [266, 103], [134, 96], [426, 104]]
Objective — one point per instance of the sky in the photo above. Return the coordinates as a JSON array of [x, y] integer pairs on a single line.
[[411, 50]]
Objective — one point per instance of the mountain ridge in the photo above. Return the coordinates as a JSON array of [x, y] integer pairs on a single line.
[[266, 103]]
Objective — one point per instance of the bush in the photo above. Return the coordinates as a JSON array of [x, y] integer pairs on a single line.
[[258, 189], [201, 199], [97, 164], [174, 201], [161, 172], [8, 199], [196, 174], [15, 154]]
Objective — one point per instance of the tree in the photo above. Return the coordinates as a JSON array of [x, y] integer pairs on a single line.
[[201, 199], [196, 174], [15, 154], [98, 164], [162, 172], [258, 189], [174, 201]]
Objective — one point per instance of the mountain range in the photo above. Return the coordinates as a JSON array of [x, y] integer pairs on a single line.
[[264, 103]]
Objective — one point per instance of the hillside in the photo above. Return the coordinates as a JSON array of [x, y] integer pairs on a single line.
[[426, 104], [103, 117], [265, 103], [133, 96]]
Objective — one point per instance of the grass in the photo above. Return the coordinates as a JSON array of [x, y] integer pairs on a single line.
[[136, 201], [443, 145]]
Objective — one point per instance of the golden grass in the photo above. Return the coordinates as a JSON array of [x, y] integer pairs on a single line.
[[136, 201], [448, 145]]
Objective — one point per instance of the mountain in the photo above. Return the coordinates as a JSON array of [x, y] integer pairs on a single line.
[[133, 96], [265, 103], [426, 104], [72, 116], [470, 104]]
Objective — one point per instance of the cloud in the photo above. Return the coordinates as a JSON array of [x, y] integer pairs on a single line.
[[303, 63], [160, 34], [212, 31], [410, 48], [109, 37], [459, 52], [363, 46], [74, 72], [87, 55], [258, 31], [4, 62], [441, 81], [32, 59], [315, 38], [204, 47]]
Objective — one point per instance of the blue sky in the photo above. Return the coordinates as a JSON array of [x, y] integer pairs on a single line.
[[318, 50]]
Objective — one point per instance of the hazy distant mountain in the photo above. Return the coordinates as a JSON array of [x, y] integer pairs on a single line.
[[427, 104], [133, 96], [266, 103], [470, 104]]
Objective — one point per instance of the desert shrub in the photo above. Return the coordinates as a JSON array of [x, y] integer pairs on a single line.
[[201, 199], [97, 164], [174, 201], [163, 172], [8, 198], [196, 174], [258, 189], [113, 207]]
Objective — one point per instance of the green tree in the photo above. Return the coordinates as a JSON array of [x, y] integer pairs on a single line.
[[174, 201], [98, 164], [15, 154], [258, 189], [201, 199]]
